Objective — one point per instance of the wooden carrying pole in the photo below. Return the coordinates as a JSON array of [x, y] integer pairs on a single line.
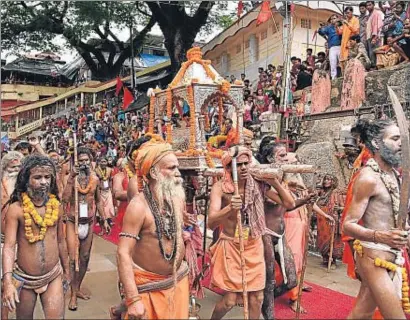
[[332, 243], [77, 241], [305, 253], [241, 244]]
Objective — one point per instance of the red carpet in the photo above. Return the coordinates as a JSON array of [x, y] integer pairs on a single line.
[[112, 237], [321, 303]]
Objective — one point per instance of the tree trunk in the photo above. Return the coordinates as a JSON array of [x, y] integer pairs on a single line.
[[177, 43]]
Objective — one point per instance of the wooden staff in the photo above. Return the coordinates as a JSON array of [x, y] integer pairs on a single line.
[[332, 243], [266, 171], [305, 253], [77, 241], [240, 231]]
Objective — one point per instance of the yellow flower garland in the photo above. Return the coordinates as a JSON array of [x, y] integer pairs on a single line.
[[405, 285], [128, 171], [390, 266], [31, 215], [103, 175]]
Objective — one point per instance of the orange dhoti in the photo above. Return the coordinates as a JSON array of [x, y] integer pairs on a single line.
[[226, 263], [161, 299]]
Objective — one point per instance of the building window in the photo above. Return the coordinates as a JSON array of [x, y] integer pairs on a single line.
[[264, 34], [306, 24], [158, 53], [238, 48], [247, 44]]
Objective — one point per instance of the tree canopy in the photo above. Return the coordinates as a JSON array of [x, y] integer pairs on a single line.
[[93, 28]]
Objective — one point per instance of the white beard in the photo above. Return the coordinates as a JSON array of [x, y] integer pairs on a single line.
[[169, 191], [10, 181]]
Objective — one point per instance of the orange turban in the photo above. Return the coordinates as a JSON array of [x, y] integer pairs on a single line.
[[227, 182], [150, 154]]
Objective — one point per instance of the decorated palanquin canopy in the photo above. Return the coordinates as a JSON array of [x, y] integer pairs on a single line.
[[195, 85]]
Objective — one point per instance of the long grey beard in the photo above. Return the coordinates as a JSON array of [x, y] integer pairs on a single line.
[[38, 194], [171, 192], [10, 179]]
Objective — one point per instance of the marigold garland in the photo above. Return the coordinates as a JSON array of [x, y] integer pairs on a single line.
[[220, 111], [405, 286], [31, 215], [190, 97], [87, 189], [169, 115], [103, 175], [128, 171]]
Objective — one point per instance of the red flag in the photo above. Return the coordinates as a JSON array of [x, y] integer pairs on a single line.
[[128, 98], [118, 87], [264, 14], [240, 9]]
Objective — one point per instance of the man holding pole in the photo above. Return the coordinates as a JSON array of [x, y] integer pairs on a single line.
[[79, 238], [238, 257]]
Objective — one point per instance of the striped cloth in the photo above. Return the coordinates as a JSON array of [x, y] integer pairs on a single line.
[[254, 206]]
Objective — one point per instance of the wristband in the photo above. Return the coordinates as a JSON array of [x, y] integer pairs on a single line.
[[374, 236], [131, 301]]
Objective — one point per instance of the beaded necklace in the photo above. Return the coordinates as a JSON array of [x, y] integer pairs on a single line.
[[165, 225]]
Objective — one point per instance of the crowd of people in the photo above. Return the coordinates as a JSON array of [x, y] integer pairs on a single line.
[[127, 181], [99, 166], [378, 38]]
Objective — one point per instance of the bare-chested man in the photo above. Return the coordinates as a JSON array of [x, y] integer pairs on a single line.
[[375, 204], [151, 249], [10, 167], [122, 189], [88, 199], [223, 209], [34, 223]]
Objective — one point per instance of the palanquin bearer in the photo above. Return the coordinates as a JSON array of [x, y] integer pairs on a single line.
[[372, 220], [34, 224], [151, 250], [226, 261]]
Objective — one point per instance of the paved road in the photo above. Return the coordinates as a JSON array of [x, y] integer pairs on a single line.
[[102, 282]]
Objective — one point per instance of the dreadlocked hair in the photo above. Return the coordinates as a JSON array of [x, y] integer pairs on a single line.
[[23, 176], [135, 145], [369, 130], [85, 150]]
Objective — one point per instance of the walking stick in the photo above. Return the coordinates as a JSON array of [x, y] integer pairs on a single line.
[[240, 231], [305, 253], [332, 242], [77, 241]]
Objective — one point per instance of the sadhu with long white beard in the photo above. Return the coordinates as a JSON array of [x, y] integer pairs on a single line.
[[151, 250], [10, 167], [34, 223]]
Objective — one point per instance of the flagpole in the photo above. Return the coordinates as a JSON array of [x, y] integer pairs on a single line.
[[132, 57]]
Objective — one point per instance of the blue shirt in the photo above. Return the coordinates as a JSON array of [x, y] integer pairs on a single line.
[[333, 39]]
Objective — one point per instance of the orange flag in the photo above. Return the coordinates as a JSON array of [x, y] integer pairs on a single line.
[[128, 98], [264, 14]]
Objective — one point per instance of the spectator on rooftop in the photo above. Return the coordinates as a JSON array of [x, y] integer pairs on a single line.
[[333, 42], [357, 50], [373, 28], [351, 27]]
